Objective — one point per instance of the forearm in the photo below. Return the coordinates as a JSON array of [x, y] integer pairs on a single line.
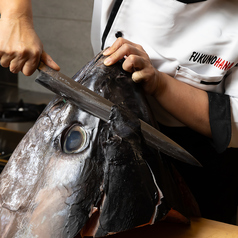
[[16, 8], [188, 104]]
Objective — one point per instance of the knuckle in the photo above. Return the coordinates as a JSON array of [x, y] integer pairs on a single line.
[[21, 52], [132, 58], [34, 63], [35, 55], [9, 51], [36, 51], [139, 47], [126, 47], [34, 59], [24, 54], [127, 66], [21, 55], [120, 40]]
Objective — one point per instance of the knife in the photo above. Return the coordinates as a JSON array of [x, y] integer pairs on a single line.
[[100, 107]]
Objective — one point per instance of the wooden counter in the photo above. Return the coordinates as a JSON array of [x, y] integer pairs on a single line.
[[199, 228]]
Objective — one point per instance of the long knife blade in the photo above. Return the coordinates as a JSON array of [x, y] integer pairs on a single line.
[[101, 107]]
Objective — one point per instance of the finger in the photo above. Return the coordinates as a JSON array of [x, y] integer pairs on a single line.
[[149, 79], [30, 63], [16, 65], [45, 58], [116, 45], [125, 50], [138, 76], [28, 68], [133, 63], [6, 59], [145, 74]]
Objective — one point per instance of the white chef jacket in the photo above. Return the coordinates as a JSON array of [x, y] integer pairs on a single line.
[[195, 43]]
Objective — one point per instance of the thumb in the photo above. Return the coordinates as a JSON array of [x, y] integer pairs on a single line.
[[46, 59], [137, 77]]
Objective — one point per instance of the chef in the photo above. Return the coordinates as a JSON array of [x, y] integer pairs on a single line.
[[185, 55]]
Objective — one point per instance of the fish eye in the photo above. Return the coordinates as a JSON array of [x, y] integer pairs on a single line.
[[74, 139]]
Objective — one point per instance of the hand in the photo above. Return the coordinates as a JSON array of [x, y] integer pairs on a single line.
[[174, 96], [20, 47], [136, 62]]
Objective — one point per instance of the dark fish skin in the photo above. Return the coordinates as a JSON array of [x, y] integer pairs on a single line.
[[113, 183], [126, 176]]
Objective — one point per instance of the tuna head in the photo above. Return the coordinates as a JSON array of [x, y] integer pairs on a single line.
[[71, 167], [74, 173]]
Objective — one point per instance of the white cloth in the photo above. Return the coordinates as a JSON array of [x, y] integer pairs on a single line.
[[194, 43]]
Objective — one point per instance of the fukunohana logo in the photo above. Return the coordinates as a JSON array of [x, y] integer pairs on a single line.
[[211, 59]]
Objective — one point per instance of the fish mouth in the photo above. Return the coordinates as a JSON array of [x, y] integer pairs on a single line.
[[91, 226]]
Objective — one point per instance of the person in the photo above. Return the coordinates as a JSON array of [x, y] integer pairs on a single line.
[[184, 54]]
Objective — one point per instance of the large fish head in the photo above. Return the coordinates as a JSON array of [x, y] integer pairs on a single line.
[[72, 172]]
